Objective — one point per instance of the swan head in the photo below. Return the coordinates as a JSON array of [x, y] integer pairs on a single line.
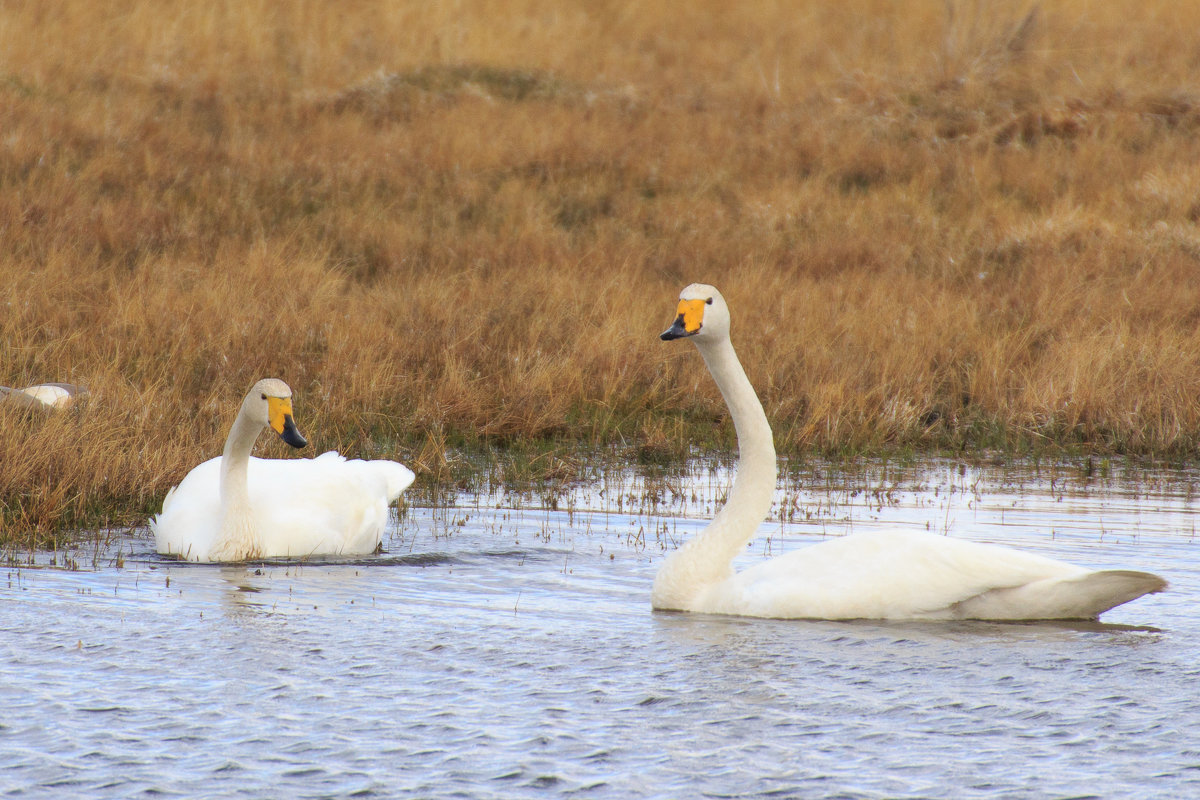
[[701, 313], [269, 404]]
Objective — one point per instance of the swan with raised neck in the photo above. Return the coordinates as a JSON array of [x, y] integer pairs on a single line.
[[267, 405], [884, 575], [703, 316], [236, 507]]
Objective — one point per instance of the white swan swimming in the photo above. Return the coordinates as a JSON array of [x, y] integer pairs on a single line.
[[43, 395], [234, 507], [885, 575]]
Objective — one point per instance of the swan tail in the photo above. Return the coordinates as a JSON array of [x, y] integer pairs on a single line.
[[1084, 596], [395, 476], [398, 477]]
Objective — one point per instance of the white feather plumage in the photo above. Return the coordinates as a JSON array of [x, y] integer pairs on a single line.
[[327, 505], [887, 575]]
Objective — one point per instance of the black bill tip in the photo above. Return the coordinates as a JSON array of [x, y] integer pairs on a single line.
[[290, 434], [676, 331]]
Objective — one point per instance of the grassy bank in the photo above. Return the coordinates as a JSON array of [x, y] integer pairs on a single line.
[[940, 226]]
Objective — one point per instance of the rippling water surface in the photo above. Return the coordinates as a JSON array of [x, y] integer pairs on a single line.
[[502, 649]]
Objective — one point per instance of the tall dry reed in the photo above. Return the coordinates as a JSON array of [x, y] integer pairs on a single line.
[[939, 224]]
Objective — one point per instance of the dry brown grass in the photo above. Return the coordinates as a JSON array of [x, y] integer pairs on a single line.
[[943, 224]]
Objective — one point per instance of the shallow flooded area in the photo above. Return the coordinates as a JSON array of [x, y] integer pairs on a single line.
[[503, 646]]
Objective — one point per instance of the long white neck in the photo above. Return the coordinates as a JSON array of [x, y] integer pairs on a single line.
[[705, 559], [236, 540]]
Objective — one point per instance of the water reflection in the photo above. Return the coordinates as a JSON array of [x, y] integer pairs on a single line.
[[240, 599]]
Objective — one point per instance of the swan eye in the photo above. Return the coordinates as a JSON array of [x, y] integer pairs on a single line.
[[708, 301], [264, 397]]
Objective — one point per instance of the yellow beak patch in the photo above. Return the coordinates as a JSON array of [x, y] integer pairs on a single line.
[[692, 314], [278, 410]]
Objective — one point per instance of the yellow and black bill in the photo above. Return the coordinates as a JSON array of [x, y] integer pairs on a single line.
[[688, 321], [279, 415]]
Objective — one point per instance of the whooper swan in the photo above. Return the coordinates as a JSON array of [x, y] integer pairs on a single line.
[[234, 507], [43, 395], [885, 575]]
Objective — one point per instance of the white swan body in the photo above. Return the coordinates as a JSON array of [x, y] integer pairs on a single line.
[[43, 395], [235, 507], [886, 575]]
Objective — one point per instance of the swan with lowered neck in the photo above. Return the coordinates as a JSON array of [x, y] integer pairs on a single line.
[[897, 575], [235, 507], [43, 396]]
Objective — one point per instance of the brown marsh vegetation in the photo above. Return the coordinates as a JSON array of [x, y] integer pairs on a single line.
[[941, 225]]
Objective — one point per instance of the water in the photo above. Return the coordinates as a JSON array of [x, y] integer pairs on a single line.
[[504, 650]]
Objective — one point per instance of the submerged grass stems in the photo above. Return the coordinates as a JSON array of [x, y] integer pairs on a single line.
[[460, 230]]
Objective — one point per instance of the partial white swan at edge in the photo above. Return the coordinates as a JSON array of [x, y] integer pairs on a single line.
[[43, 395], [235, 507], [884, 575]]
